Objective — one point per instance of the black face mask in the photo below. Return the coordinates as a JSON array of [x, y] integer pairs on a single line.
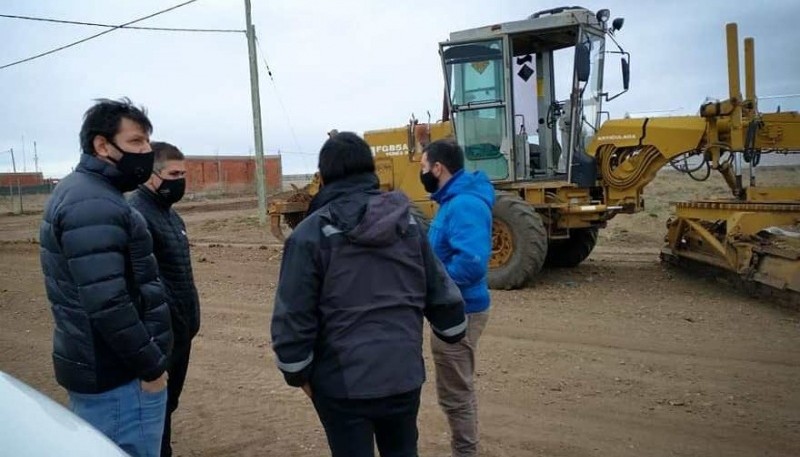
[[134, 168], [429, 182], [171, 190]]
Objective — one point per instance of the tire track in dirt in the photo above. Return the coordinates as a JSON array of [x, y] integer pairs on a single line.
[[207, 206], [612, 254], [787, 358], [234, 384], [620, 431]]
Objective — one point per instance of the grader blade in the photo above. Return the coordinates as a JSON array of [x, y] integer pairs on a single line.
[[758, 243], [275, 227], [289, 208]]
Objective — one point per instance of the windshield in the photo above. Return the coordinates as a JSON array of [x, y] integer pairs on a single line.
[[591, 94], [476, 89], [475, 73]]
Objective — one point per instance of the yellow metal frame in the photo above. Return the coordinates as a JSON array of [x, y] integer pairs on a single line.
[[727, 235]]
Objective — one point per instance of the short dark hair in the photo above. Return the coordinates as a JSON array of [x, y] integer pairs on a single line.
[[164, 152], [105, 117], [447, 152], [344, 154]]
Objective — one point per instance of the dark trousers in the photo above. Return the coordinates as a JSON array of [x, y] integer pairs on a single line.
[[178, 365], [354, 426]]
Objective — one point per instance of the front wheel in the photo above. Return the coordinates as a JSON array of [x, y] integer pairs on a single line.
[[519, 243]]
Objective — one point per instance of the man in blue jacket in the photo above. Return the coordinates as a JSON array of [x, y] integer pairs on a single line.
[[357, 278], [461, 236]]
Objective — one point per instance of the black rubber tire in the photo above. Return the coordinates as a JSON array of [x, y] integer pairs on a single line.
[[528, 239], [571, 252]]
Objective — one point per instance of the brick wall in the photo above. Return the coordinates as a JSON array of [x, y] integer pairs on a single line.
[[230, 173], [24, 179]]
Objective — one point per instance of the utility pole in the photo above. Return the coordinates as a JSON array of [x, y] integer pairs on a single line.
[[256, 102], [13, 162], [24, 168], [35, 159]]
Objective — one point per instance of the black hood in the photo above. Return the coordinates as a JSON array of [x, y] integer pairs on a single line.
[[385, 219], [356, 184], [357, 207]]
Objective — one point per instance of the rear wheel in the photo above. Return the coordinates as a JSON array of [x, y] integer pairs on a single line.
[[519, 243], [571, 252]]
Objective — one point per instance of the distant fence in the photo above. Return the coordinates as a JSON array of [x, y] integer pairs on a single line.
[[297, 180], [28, 199], [8, 191]]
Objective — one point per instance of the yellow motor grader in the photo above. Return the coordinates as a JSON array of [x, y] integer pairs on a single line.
[[561, 174]]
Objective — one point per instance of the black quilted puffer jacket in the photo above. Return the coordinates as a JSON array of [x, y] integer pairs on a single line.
[[112, 322], [171, 248]]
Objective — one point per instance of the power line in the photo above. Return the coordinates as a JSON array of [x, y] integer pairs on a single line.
[[768, 97], [61, 48], [264, 58], [95, 24], [280, 101]]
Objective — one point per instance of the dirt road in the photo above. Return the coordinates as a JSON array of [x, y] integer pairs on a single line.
[[618, 357]]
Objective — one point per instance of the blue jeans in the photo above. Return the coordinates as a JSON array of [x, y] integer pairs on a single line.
[[129, 416]]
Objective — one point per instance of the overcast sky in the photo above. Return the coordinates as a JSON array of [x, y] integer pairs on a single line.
[[351, 65]]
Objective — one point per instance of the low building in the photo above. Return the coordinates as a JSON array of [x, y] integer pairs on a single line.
[[21, 179], [230, 173]]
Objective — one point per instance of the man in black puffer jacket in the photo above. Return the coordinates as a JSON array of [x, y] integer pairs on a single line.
[[154, 200], [112, 333], [357, 277]]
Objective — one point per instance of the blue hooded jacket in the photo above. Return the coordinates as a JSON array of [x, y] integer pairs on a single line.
[[461, 234]]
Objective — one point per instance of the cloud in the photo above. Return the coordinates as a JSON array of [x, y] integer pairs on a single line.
[[351, 65]]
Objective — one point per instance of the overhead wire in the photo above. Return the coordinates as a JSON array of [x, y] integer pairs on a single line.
[[96, 24], [280, 102], [97, 35], [129, 26]]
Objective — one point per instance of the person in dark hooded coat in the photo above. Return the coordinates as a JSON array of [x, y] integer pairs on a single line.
[[357, 277]]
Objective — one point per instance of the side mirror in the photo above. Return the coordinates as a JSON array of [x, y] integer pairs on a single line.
[[616, 24], [626, 76], [626, 73], [583, 63]]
